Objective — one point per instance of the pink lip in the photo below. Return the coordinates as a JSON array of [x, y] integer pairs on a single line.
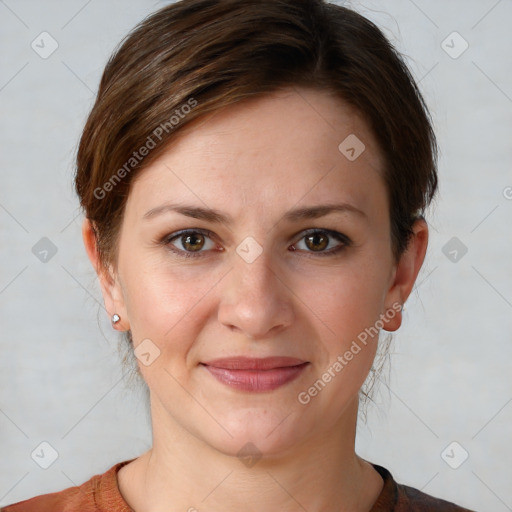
[[250, 374]]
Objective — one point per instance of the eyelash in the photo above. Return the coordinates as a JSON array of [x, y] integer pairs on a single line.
[[340, 237]]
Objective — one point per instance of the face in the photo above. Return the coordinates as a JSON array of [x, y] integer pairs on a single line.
[[255, 237]]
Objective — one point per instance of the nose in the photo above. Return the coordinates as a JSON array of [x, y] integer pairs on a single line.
[[255, 299]]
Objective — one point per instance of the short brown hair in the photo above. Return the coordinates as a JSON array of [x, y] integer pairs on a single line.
[[214, 53]]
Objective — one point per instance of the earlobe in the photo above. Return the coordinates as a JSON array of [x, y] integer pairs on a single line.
[[405, 274], [110, 287]]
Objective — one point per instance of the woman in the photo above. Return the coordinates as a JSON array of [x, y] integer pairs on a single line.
[[254, 177]]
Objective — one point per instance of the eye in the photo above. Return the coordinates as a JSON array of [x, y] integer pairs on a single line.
[[324, 242], [194, 242], [190, 241]]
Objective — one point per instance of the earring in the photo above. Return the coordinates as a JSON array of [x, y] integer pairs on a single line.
[[115, 318]]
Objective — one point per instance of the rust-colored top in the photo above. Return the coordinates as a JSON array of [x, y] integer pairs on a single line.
[[101, 494]]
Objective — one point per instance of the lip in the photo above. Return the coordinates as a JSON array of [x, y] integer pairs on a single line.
[[256, 374]]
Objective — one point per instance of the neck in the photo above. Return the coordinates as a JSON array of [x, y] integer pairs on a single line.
[[181, 471]]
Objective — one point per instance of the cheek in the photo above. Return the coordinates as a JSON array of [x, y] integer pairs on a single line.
[[350, 309], [352, 299], [350, 305], [167, 306], [157, 293]]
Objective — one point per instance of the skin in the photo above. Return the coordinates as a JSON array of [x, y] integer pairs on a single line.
[[256, 161]]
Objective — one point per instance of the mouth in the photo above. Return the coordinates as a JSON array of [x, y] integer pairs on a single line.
[[256, 374]]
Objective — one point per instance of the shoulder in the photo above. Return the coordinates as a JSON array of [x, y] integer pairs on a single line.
[[421, 501], [396, 497], [68, 500], [99, 494]]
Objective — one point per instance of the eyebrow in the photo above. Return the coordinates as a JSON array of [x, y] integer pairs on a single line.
[[212, 215]]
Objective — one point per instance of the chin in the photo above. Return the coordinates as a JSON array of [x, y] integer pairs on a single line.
[[259, 432]]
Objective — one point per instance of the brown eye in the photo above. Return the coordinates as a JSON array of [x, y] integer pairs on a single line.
[[317, 241], [190, 242], [193, 242], [322, 242]]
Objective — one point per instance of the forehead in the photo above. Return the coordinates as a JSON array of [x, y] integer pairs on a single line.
[[305, 144]]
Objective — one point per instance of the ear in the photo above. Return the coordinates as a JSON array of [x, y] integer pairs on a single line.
[[404, 275], [109, 282]]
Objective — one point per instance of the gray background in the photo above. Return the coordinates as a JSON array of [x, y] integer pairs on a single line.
[[449, 376]]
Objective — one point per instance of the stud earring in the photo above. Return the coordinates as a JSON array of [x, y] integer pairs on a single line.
[[115, 318]]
